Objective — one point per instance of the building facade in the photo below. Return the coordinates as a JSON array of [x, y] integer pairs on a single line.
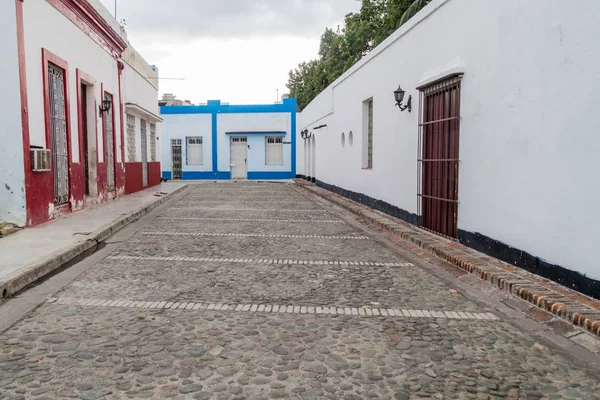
[[63, 77], [220, 141], [500, 145], [142, 123]]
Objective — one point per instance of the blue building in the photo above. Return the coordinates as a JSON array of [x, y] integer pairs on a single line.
[[220, 141]]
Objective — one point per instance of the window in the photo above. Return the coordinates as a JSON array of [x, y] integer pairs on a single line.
[[274, 150], [194, 150], [131, 137], [370, 134], [58, 126], [152, 142]]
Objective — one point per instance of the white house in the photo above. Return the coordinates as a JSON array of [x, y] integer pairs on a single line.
[[219, 141], [500, 146], [62, 78], [142, 122]]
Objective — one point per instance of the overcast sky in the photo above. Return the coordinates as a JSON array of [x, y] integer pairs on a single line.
[[238, 51]]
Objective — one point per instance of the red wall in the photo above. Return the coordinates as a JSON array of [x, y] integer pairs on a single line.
[[154, 173], [133, 177]]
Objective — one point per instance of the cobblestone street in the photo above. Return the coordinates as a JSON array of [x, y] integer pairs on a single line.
[[255, 291]]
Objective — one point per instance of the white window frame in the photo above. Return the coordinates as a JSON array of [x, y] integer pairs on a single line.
[[273, 150], [195, 146]]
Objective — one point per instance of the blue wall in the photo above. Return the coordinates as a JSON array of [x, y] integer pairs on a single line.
[[223, 120]]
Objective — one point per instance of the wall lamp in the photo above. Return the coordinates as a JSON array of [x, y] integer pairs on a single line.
[[105, 106], [399, 96], [305, 134]]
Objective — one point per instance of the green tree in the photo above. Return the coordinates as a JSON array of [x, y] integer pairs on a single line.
[[340, 49]]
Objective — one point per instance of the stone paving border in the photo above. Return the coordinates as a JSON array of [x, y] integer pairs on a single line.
[[270, 308], [260, 261], [567, 304], [247, 209], [202, 234], [316, 221]]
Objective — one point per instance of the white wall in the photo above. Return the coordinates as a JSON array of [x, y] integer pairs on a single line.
[[139, 90], [178, 126], [12, 175], [45, 27], [529, 129], [253, 122]]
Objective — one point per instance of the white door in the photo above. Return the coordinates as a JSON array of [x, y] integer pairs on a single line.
[[239, 158]]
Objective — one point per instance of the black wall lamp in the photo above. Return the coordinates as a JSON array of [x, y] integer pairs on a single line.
[[105, 106], [399, 96], [305, 134]]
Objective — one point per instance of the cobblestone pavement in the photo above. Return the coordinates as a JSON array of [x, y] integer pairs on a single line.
[[209, 322]]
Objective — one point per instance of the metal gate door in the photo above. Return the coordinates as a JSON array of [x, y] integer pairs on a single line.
[[109, 149], [144, 143], [58, 131], [239, 158], [439, 156], [175, 158]]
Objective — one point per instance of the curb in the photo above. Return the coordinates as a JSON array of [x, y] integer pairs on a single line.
[[529, 287], [20, 279]]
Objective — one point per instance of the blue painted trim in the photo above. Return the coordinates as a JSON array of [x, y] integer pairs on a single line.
[[214, 142], [205, 175], [270, 175], [294, 142], [215, 106], [267, 133], [166, 175]]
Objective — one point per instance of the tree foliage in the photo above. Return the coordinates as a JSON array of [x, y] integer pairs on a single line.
[[343, 47]]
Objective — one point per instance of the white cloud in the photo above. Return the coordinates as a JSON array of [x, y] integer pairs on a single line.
[[233, 50]]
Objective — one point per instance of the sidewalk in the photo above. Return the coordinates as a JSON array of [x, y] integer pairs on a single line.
[[567, 304], [32, 253]]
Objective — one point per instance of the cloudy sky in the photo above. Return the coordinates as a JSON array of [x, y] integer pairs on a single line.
[[238, 51]]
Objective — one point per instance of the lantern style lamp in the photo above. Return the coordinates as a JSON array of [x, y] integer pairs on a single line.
[[106, 103], [399, 96]]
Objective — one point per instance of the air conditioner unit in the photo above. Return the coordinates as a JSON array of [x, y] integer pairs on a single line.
[[40, 160]]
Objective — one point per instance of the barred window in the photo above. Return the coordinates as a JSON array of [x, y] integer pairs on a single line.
[[152, 142], [131, 138], [194, 150], [274, 150]]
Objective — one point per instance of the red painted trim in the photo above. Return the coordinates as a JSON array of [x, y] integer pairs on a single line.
[[86, 18], [24, 102], [47, 58], [103, 90], [121, 67]]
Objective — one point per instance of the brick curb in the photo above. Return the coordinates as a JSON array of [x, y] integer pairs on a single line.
[[561, 301], [33, 272]]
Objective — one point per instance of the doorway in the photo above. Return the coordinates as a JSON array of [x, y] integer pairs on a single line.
[[239, 158], [176, 159], [439, 156], [84, 137]]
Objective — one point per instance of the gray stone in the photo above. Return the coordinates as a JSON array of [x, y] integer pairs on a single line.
[[65, 347], [95, 394], [283, 377], [403, 345], [205, 373], [191, 388], [315, 368], [54, 339]]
